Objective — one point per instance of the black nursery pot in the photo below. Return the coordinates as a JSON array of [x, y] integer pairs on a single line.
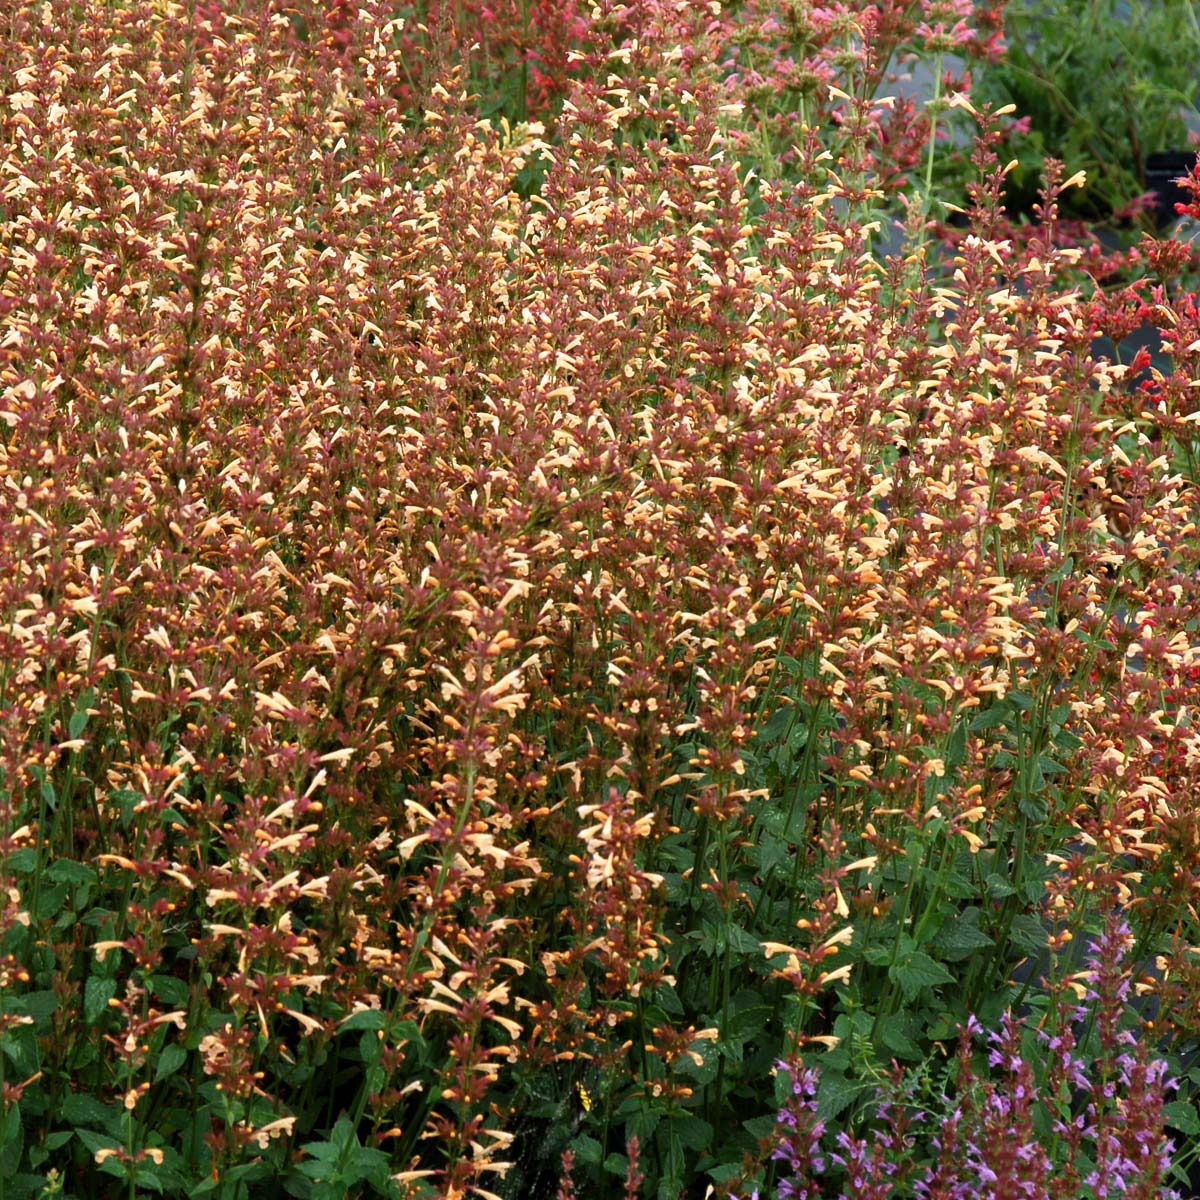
[[1162, 170]]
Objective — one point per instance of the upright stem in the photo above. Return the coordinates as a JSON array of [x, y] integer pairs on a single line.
[[934, 106]]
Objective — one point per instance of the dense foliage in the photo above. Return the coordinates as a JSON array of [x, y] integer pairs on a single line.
[[1105, 85], [536, 659]]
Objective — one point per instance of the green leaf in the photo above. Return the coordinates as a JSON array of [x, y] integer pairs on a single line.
[[643, 1121], [917, 972], [40, 1005], [370, 1047], [742, 942], [79, 1108], [147, 1177], [725, 1172], [666, 995], [960, 936], [996, 714], [692, 1132], [114, 1167], [365, 1162], [1027, 933], [670, 1184], [23, 861], [169, 1061], [1063, 569], [878, 955], [66, 870], [587, 1150], [778, 724], [323, 1155], [367, 1018], [51, 902], [616, 1164], [1034, 806], [998, 888], [1067, 741], [170, 990], [20, 1046], [835, 1093], [894, 1037], [97, 993], [1182, 1115], [960, 887], [748, 1015], [956, 748], [759, 1127], [12, 1140], [97, 1141]]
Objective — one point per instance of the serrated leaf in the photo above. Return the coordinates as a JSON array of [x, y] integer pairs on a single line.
[[97, 993], [148, 1177], [835, 1093], [1182, 1115], [1067, 741], [778, 724], [40, 1005], [759, 1127], [12, 1139], [367, 1018], [616, 1164], [960, 936], [743, 942], [692, 1132], [959, 887], [670, 1184], [1034, 806], [918, 971], [998, 888], [323, 1153], [1027, 933], [169, 990], [364, 1162], [96, 1141], [893, 1038], [22, 861], [79, 1108], [666, 995], [170, 1059], [878, 955], [956, 748], [587, 1150], [643, 1122], [66, 870], [997, 714], [748, 1016]]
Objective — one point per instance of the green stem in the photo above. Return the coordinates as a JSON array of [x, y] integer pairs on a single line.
[[934, 105]]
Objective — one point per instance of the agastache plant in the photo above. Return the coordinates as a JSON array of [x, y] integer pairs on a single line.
[[509, 629]]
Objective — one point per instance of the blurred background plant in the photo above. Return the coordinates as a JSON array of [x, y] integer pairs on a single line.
[[1103, 85]]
